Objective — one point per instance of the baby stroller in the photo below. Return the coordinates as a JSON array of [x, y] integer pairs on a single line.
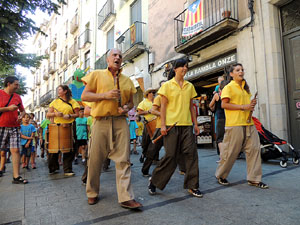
[[270, 146]]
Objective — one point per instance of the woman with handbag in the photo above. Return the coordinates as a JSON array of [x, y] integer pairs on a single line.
[[64, 110]]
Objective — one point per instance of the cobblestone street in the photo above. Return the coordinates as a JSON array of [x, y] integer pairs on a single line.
[[58, 200]]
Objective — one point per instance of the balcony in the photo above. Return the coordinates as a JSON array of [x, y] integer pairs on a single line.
[[85, 38], [74, 24], [53, 44], [45, 75], [101, 63], [131, 42], [38, 82], [106, 16], [220, 20], [64, 61], [47, 98], [73, 51], [52, 67]]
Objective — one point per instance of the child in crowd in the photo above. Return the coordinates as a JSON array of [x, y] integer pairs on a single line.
[[139, 129], [43, 129], [82, 130], [27, 135]]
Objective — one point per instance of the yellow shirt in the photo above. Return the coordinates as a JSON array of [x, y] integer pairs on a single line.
[[178, 107], [157, 102], [101, 81], [64, 108], [146, 105], [239, 96], [140, 128]]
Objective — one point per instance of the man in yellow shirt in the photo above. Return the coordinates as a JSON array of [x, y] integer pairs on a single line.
[[239, 134], [177, 107], [111, 94], [144, 110]]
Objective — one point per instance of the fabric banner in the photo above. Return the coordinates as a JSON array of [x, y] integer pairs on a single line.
[[193, 22]]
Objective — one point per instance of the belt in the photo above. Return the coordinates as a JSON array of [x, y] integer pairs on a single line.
[[109, 117]]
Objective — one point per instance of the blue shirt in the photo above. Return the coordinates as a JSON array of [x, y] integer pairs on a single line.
[[81, 128], [27, 131]]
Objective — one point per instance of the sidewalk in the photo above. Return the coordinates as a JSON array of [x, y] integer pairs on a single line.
[[58, 200]]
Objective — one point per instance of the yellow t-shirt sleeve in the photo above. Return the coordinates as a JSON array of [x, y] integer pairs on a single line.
[[157, 101], [226, 92], [91, 80], [163, 90], [75, 104], [53, 103], [193, 92], [141, 105], [133, 89]]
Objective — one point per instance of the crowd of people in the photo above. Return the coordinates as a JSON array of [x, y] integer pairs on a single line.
[[107, 123]]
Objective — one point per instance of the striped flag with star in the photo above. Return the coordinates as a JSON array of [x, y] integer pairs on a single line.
[[193, 22]]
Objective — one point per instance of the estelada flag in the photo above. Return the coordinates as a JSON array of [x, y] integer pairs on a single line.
[[193, 22]]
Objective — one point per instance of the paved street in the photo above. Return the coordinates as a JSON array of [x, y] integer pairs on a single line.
[[58, 200]]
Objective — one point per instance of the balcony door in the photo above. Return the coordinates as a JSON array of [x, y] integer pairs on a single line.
[[110, 38], [136, 19], [290, 14]]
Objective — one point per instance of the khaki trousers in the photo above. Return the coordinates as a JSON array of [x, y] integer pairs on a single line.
[[110, 139], [179, 141], [237, 139]]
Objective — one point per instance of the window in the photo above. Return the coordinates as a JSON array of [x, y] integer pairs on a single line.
[[66, 28], [136, 12], [53, 84], [42, 116], [110, 38], [60, 80], [86, 59]]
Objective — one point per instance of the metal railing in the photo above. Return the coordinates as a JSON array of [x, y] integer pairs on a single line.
[[85, 38], [107, 10], [101, 62], [47, 98], [214, 12], [74, 24], [73, 51], [64, 60], [132, 36], [52, 67], [53, 44]]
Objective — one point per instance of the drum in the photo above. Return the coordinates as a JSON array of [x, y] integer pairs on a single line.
[[151, 127], [59, 138]]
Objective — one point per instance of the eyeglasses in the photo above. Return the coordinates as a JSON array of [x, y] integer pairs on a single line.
[[153, 92]]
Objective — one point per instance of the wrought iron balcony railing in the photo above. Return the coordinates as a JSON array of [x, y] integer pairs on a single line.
[[132, 41], [101, 62], [106, 14], [52, 67], [85, 38], [218, 18], [73, 51], [74, 24], [47, 98]]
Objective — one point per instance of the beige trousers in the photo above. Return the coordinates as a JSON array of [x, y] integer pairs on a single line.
[[237, 139], [110, 138]]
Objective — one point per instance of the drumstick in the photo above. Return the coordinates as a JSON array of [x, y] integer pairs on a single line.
[[118, 87], [250, 114], [160, 136]]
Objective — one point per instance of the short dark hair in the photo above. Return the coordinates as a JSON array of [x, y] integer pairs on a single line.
[[9, 79]]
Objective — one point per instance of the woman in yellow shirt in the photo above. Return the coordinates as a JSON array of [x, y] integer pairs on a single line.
[[239, 134], [64, 110]]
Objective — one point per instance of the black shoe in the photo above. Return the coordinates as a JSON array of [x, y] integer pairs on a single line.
[[76, 161], [1, 173], [196, 193], [142, 158], [223, 181], [146, 175], [8, 160], [151, 188]]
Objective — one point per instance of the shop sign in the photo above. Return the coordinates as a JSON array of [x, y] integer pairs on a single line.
[[298, 105], [211, 66]]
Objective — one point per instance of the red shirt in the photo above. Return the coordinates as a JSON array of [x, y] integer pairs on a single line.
[[9, 119]]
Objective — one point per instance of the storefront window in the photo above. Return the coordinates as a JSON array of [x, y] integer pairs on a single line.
[[290, 16]]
